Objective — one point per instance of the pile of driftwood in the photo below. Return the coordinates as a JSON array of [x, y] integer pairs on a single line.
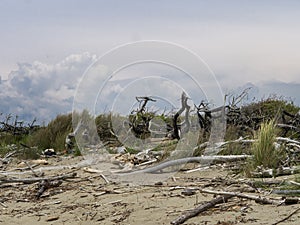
[[14, 126], [246, 118]]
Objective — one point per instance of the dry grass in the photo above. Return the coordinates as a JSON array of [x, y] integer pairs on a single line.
[[265, 153]]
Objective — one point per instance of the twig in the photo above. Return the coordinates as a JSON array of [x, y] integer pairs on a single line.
[[286, 218], [1, 203], [104, 178], [113, 202], [194, 212]]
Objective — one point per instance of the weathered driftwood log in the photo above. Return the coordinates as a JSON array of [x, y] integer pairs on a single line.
[[200, 159], [257, 199], [201, 208], [184, 106], [36, 179]]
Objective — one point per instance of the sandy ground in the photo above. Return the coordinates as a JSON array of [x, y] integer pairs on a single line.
[[88, 199]]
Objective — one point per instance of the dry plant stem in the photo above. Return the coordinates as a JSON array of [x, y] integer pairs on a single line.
[[257, 199], [201, 208], [37, 179], [286, 218]]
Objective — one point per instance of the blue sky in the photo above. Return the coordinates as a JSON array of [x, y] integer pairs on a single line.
[[242, 41]]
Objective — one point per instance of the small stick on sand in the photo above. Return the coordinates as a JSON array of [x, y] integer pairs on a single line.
[[286, 218], [201, 208]]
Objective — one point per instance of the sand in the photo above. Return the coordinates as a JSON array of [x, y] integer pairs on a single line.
[[88, 199]]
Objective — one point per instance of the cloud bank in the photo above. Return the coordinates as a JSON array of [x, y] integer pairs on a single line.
[[42, 91]]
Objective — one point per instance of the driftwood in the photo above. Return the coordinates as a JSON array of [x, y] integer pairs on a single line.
[[295, 183], [205, 206], [184, 106], [286, 192], [5, 160], [257, 199], [36, 179], [16, 126], [200, 159], [32, 170], [286, 218], [90, 170], [46, 184], [286, 126], [281, 171], [143, 102], [283, 139], [204, 121]]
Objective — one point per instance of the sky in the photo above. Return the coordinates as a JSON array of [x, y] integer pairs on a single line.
[[45, 46]]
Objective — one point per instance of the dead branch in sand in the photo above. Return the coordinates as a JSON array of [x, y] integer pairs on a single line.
[[286, 218], [36, 179], [201, 208], [257, 199]]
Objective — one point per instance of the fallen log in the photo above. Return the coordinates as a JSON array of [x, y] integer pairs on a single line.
[[201, 208]]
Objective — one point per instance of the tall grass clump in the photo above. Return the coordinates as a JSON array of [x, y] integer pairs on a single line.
[[265, 153], [53, 135]]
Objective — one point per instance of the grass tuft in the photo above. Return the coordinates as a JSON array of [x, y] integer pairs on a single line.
[[265, 153]]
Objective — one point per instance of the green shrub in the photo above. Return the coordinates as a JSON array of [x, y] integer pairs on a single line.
[[267, 109]]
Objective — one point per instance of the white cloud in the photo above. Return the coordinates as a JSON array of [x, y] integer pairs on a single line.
[[42, 90]]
